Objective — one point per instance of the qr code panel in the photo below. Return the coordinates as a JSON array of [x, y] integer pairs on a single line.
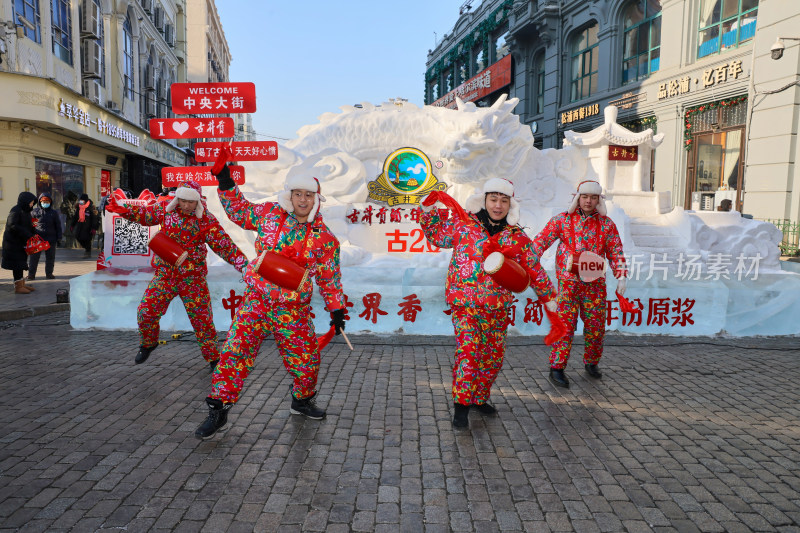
[[130, 238]]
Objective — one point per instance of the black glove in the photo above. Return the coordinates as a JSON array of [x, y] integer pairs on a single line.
[[224, 179], [337, 320]]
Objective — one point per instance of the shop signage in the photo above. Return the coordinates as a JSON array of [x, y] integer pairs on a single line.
[[214, 98], [581, 113], [628, 100], [174, 176], [205, 152], [711, 77], [487, 81], [623, 153], [191, 128], [83, 118], [162, 151]]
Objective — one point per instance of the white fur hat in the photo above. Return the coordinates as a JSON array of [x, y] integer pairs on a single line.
[[477, 201], [191, 191], [588, 187], [303, 183]]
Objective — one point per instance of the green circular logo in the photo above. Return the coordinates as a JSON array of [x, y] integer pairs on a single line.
[[407, 170]]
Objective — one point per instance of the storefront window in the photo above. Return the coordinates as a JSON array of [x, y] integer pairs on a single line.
[[725, 24], [641, 54], [584, 63], [62, 181]]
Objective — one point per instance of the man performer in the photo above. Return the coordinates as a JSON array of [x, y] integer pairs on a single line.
[[479, 306], [293, 228], [186, 221], [584, 227]]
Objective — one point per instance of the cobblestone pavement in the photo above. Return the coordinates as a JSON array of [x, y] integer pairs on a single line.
[[679, 435]]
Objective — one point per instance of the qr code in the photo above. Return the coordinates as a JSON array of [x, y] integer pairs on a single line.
[[130, 238]]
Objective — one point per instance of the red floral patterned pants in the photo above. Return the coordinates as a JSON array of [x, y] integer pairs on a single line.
[[193, 291], [588, 299], [480, 346], [255, 319]]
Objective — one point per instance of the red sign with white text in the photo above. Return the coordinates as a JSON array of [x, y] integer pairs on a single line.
[[214, 98], [105, 182], [191, 128], [206, 152], [487, 81], [174, 176]]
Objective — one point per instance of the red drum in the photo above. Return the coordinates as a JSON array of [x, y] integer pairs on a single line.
[[281, 271], [506, 272], [35, 245], [167, 249]]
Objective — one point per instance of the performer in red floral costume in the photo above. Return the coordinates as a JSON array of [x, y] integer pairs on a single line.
[[186, 221], [584, 227], [293, 228], [479, 306]]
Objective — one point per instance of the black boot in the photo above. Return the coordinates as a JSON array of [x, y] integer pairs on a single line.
[[307, 407], [485, 408], [217, 418], [144, 353], [213, 364], [461, 416], [558, 377], [593, 371]]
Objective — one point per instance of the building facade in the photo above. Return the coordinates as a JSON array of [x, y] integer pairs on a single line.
[[79, 81], [699, 71]]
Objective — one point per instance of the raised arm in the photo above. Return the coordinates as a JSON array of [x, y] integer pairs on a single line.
[[439, 232], [222, 245]]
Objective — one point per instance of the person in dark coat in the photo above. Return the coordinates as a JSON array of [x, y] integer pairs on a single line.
[[19, 228], [85, 222], [48, 221]]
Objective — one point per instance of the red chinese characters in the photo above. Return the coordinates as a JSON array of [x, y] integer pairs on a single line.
[[213, 98], [372, 302], [409, 308], [206, 152], [174, 176], [232, 303], [191, 128]]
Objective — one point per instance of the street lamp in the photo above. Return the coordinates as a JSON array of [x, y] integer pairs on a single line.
[[776, 50]]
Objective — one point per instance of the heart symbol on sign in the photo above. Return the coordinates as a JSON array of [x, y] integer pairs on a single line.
[[180, 127]]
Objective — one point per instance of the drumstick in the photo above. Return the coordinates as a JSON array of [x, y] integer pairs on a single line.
[[347, 340]]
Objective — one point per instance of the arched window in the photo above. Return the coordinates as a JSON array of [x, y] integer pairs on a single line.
[[538, 83], [62, 29], [641, 53], [584, 63], [127, 52], [725, 24]]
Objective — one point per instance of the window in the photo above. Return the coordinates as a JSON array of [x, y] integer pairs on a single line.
[[127, 52], [63, 182], [433, 90], [501, 47], [538, 83], [462, 72], [642, 42], [584, 63], [448, 81], [62, 29], [725, 24], [478, 59], [26, 14]]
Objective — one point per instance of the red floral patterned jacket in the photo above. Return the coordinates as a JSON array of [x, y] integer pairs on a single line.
[[192, 234], [594, 233], [311, 244], [467, 284]]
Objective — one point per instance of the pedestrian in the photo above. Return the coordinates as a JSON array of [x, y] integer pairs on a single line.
[[48, 221], [292, 228], [85, 223], [479, 306], [584, 227], [19, 228], [189, 226]]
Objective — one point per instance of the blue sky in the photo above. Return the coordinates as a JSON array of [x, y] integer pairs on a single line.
[[310, 57]]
